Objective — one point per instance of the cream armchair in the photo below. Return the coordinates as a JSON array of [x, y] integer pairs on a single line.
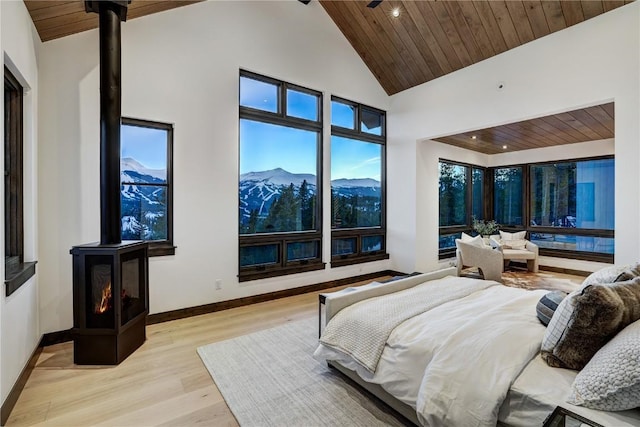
[[488, 260], [518, 252]]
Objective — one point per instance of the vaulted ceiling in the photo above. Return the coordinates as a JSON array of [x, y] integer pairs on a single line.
[[429, 39], [426, 40], [407, 43], [58, 18]]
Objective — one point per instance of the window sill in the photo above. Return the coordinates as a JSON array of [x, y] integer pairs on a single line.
[[19, 276], [253, 274], [341, 262], [161, 249]]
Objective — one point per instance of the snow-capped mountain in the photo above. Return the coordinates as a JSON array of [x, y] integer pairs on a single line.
[[355, 182], [143, 203], [258, 190], [279, 177], [130, 166]]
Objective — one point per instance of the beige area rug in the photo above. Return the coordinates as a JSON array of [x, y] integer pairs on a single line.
[[269, 378]]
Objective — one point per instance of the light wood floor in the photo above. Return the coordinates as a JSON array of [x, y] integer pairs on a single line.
[[163, 383]]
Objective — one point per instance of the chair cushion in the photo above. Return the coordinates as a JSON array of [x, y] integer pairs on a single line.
[[611, 380], [515, 244], [517, 254]]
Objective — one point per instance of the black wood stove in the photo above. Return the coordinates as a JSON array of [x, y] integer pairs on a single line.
[[110, 300], [110, 278]]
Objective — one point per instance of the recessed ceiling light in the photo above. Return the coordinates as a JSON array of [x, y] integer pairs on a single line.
[[504, 147], [473, 137], [395, 12]]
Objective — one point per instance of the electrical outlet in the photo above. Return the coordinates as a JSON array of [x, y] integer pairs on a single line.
[[218, 284]]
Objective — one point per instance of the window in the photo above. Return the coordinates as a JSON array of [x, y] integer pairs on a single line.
[[279, 223], [461, 198], [358, 139], [572, 207], [17, 271], [508, 196], [146, 193]]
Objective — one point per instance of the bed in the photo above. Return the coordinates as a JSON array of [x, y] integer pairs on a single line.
[[448, 350]]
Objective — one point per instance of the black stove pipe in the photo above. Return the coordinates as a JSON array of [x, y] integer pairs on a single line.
[[110, 15]]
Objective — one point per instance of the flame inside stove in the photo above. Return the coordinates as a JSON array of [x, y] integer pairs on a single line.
[[105, 302]]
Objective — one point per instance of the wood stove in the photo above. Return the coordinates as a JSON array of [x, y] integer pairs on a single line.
[[110, 278], [110, 301]]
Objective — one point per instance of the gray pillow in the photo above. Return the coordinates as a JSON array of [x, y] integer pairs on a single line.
[[548, 305], [599, 313], [611, 380]]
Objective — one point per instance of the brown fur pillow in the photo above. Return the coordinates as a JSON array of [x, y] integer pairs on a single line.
[[601, 311]]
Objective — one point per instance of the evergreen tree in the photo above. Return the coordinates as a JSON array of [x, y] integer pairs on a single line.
[[252, 223]]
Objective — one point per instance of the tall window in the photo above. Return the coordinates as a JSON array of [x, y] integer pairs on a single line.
[[17, 271], [146, 177], [572, 205], [461, 198], [280, 178], [358, 137], [508, 196]]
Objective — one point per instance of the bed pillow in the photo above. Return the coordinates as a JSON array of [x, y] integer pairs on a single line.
[[614, 273], [475, 241], [599, 313], [561, 317], [548, 305], [611, 380], [520, 235]]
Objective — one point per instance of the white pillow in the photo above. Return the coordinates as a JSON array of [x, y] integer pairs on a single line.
[[475, 241], [606, 275], [611, 379], [520, 235]]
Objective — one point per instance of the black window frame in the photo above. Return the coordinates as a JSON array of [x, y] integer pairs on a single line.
[[166, 246], [283, 266], [526, 214], [358, 256], [565, 253], [468, 226], [17, 271]]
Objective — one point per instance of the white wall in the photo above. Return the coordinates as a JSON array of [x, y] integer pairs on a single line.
[[594, 62], [19, 327], [181, 67]]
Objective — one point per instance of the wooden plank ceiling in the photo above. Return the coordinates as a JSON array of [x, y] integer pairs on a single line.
[[587, 124], [58, 18], [429, 39]]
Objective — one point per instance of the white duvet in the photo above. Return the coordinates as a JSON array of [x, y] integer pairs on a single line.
[[456, 362]]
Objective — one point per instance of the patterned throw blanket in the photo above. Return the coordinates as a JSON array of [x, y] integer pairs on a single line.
[[362, 329]]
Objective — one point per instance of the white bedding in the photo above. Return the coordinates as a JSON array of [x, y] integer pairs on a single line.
[[540, 388], [445, 346]]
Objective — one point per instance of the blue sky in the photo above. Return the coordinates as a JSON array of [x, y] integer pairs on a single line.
[[264, 146], [148, 146]]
